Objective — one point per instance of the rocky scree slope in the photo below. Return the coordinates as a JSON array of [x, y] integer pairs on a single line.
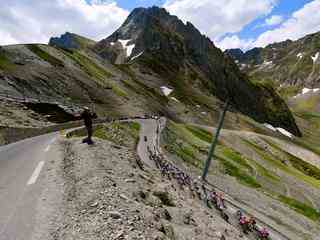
[[155, 40], [105, 195], [287, 63]]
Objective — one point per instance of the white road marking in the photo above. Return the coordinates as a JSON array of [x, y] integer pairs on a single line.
[[36, 173], [47, 148], [52, 141]]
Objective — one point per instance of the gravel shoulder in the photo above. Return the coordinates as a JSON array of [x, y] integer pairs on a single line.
[[99, 192]]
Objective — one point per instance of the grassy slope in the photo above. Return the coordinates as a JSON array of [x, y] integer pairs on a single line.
[[5, 64], [97, 72], [307, 114], [191, 144], [89, 67], [45, 56], [124, 134]]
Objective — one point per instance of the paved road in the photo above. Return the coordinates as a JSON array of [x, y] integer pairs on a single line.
[[148, 139], [21, 184]]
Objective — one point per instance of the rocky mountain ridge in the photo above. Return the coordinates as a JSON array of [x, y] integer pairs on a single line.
[[180, 54], [290, 63]]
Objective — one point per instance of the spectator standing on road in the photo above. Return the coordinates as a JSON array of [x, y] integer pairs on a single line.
[[87, 117]]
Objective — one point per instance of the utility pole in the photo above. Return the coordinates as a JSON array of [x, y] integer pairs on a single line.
[[215, 141]]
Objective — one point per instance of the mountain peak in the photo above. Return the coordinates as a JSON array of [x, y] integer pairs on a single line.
[[70, 40], [178, 52], [149, 29]]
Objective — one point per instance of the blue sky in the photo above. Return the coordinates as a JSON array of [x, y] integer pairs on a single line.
[[284, 8], [139, 3], [252, 30], [229, 23]]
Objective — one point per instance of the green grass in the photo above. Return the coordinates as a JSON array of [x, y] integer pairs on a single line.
[[234, 171], [309, 123], [289, 91], [302, 166], [90, 67], [307, 105], [263, 172], [187, 153], [118, 90], [200, 133], [309, 115], [181, 142], [125, 134], [277, 164], [45, 56], [5, 64], [190, 143], [139, 87], [135, 126], [84, 42], [235, 157], [308, 145], [301, 208]]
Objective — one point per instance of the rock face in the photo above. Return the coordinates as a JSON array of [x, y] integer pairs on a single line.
[[236, 53], [288, 63], [180, 54], [70, 41], [66, 40]]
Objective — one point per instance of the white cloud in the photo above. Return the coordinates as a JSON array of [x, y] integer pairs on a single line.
[[37, 20], [302, 22], [274, 20], [218, 17], [235, 42]]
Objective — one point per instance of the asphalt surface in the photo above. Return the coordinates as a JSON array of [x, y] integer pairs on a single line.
[[22, 180], [147, 139]]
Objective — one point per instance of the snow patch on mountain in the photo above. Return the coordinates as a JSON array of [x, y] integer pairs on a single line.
[[174, 99], [280, 130], [243, 66], [138, 55], [285, 132], [267, 63], [307, 90], [166, 91], [128, 48], [315, 57], [269, 126], [124, 43]]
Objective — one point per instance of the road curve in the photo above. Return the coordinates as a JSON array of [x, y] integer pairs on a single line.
[[149, 137], [152, 128], [21, 184]]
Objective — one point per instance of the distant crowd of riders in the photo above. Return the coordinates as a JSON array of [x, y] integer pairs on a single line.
[[211, 198], [196, 187]]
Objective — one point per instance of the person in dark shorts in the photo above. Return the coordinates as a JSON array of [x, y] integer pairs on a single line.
[[87, 117]]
